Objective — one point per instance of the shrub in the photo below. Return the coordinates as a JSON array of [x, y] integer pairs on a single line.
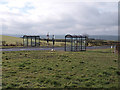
[[3, 43]]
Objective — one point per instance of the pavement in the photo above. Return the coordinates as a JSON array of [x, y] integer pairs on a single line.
[[47, 48]]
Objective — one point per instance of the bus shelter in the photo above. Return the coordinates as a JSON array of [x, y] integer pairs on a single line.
[[31, 41], [75, 43]]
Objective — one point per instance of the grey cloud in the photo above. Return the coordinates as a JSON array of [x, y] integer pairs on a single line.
[[91, 20]]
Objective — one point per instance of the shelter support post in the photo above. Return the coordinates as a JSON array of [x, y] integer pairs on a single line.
[[71, 44], [65, 43]]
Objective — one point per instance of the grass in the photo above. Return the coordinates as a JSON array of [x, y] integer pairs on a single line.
[[59, 69], [11, 39], [57, 44]]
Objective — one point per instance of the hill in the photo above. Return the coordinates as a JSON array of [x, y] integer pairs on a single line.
[[11, 39]]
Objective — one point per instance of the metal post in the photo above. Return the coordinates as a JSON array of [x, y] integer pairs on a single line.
[[23, 41], [76, 44], [48, 39], [71, 44], [35, 41], [27, 41], [53, 41], [65, 43], [81, 43], [39, 41], [31, 41], [85, 43]]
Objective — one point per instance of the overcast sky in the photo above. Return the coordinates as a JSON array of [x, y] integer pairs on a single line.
[[58, 17]]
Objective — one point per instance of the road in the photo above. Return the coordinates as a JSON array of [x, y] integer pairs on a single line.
[[56, 48]]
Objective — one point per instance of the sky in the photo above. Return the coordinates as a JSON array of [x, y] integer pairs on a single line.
[[38, 17]]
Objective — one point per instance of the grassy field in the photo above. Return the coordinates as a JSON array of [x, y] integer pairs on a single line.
[[59, 69], [11, 39]]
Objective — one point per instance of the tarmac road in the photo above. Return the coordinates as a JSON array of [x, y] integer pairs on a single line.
[[40, 48]]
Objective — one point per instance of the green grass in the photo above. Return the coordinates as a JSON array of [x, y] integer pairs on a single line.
[[11, 39], [59, 69]]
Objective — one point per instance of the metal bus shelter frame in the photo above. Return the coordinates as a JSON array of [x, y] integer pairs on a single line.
[[77, 43], [34, 41]]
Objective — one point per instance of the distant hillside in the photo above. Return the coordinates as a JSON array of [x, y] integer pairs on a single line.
[[11, 40]]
